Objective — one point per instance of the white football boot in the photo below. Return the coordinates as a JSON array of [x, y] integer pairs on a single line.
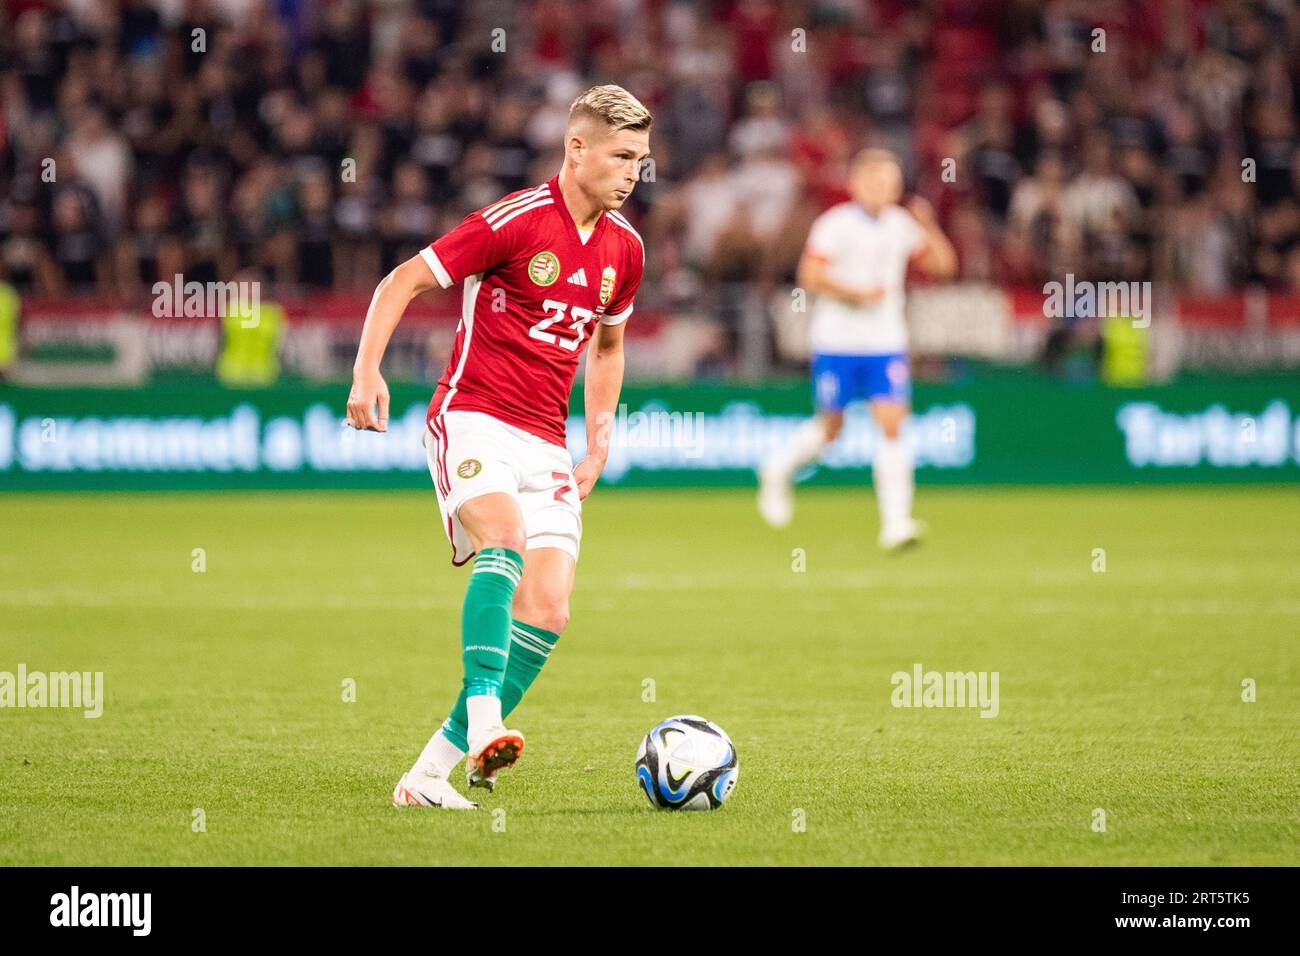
[[895, 540], [775, 497], [495, 749], [429, 791]]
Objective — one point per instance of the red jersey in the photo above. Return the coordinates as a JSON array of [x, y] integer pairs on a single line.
[[532, 289]]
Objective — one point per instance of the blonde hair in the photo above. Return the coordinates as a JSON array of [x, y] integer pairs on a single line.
[[612, 105], [874, 156]]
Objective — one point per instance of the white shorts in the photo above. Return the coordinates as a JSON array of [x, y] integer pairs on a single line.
[[478, 455]]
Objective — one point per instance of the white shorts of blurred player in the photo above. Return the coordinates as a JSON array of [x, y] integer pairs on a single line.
[[472, 454]]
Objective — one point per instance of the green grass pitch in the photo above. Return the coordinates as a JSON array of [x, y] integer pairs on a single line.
[[1119, 690]]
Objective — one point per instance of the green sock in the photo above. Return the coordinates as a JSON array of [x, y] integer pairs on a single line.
[[529, 648], [485, 620]]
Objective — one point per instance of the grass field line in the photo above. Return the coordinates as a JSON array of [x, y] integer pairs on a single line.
[[931, 600], [817, 576]]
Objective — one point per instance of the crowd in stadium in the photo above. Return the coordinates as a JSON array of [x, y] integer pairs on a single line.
[[315, 145]]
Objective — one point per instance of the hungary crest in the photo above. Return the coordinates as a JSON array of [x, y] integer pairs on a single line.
[[544, 268], [607, 285]]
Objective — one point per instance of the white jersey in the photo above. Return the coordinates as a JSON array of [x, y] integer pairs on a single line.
[[862, 250]]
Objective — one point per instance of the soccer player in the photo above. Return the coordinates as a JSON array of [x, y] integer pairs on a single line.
[[544, 271], [855, 263]]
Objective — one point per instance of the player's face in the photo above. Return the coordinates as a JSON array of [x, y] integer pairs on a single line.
[[876, 185], [611, 165]]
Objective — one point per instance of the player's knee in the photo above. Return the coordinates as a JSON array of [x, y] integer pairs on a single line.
[[549, 612], [556, 619], [834, 425], [889, 418], [503, 536]]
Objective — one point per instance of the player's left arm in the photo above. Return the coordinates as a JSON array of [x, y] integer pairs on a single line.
[[935, 254], [604, 377], [601, 387]]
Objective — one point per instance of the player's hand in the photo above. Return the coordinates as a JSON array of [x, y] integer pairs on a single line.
[[586, 473], [870, 296], [368, 390], [922, 211]]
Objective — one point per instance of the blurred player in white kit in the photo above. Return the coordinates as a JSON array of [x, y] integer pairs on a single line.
[[855, 263]]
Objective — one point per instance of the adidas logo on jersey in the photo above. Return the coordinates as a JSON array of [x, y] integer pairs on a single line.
[[578, 278]]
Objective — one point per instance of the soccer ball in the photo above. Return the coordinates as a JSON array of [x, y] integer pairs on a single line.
[[687, 763]]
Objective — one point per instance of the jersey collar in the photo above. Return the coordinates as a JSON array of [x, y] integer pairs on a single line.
[[554, 184], [873, 217]]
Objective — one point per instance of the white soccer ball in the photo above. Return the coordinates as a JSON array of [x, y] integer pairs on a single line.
[[687, 763]]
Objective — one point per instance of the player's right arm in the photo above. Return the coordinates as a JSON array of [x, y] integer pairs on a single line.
[[472, 247], [813, 276], [825, 239], [393, 294]]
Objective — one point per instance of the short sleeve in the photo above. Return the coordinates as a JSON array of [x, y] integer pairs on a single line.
[[620, 307], [472, 247], [824, 237], [914, 240]]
